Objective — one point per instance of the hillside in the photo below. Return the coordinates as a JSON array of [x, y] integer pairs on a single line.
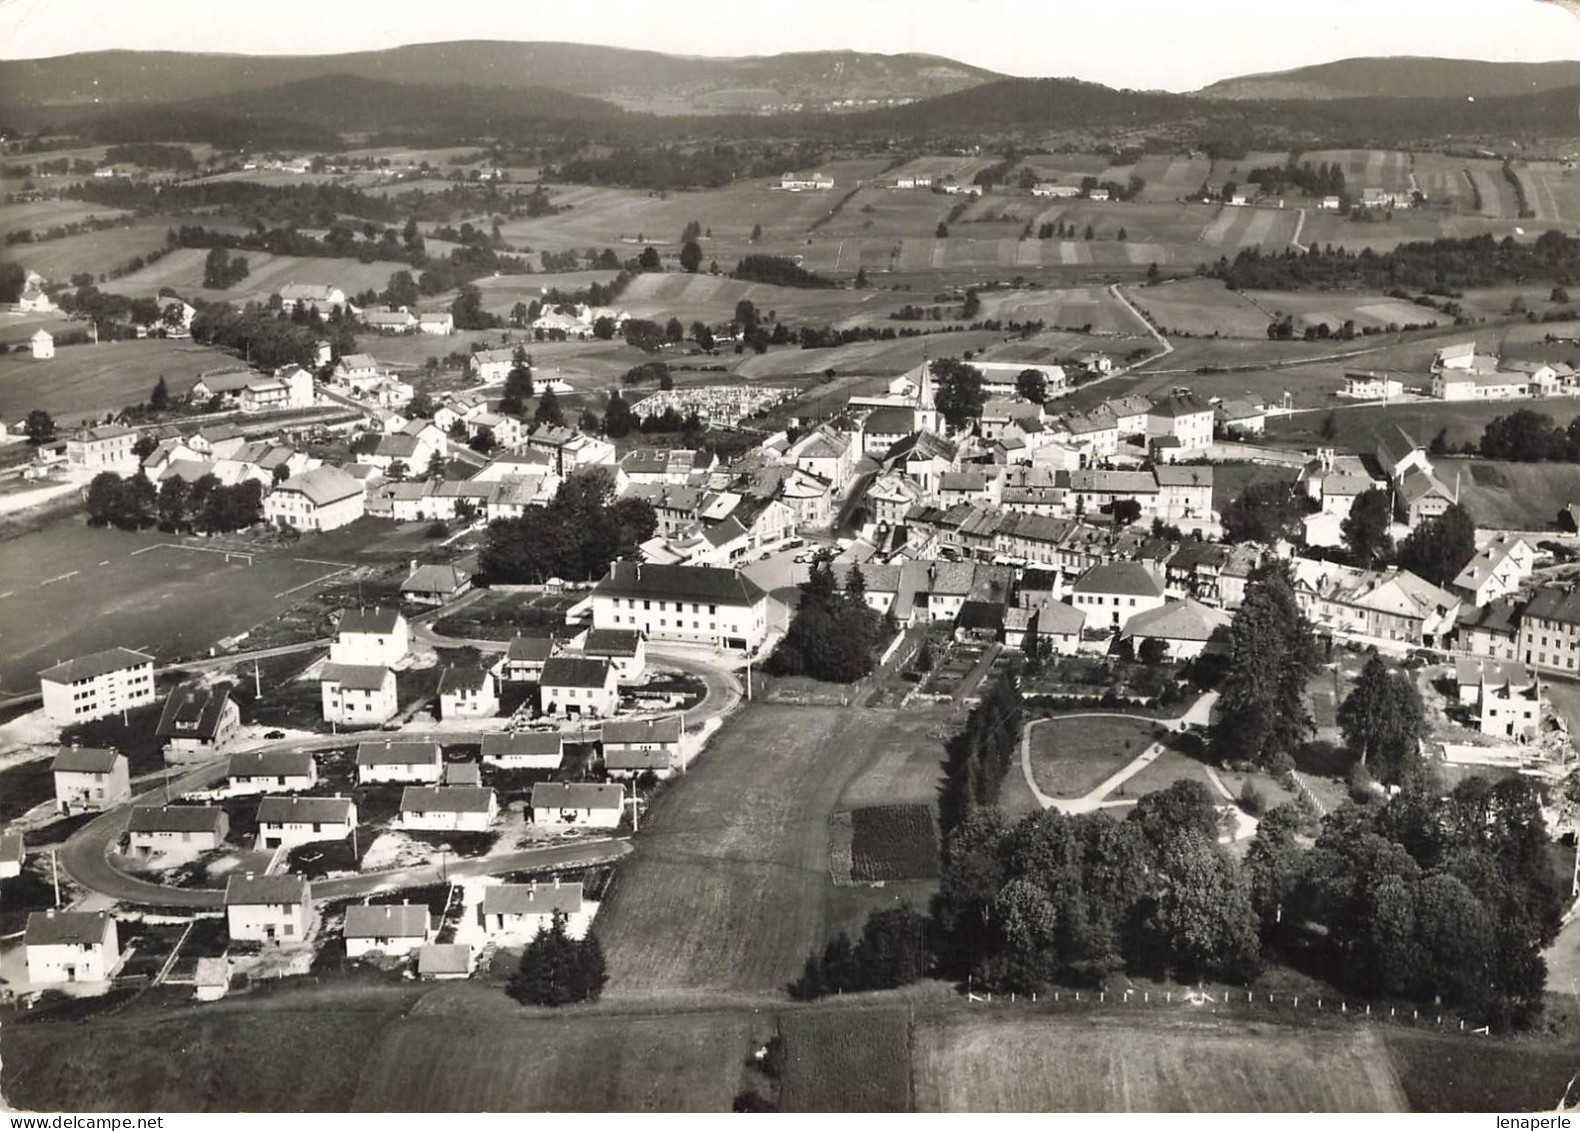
[[633, 78], [1399, 77]]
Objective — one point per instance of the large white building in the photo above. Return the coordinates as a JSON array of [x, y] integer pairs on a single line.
[[694, 604], [108, 448], [358, 694], [93, 687], [324, 498]]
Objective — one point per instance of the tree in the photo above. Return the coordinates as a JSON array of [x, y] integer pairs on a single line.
[[1273, 655], [1263, 512], [549, 411], [702, 335], [1383, 722], [617, 419], [159, 399], [1366, 529], [692, 231], [483, 442], [557, 969], [145, 445], [674, 331], [1330, 427], [1153, 651], [40, 427], [518, 385], [1126, 511], [435, 468], [757, 232], [690, 256], [1440, 547], [648, 260], [104, 499], [958, 394], [1031, 384], [942, 231]]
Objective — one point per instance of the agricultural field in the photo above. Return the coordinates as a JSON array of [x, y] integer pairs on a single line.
[[1234, 229], [1552, 190], [166, 599], [182, 270], [1171, 178], [1408, 225], [1447, 180], [1201, 308], [93, 252], [502, 292], [1311, 308], [43, 214], [893, 842], [1516, 496], [1463, 421], [84, 382], [712, 299], [730, 886], [1072, 757], [16, 328], [939, 167], [1367, 168], [886, 358], [849, 1058], [996, 1061], [1068, 306]]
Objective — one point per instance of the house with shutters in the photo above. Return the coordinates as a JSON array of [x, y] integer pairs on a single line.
[[172, 830], [94, 687], [89, 779], [198, 723], [415, 763], [358, 694], [526, 750], [70, 946], [271, 771], [1549, 631], [390, 929], [632, 747], [285, 822], [271, 909], [578, 804], [520, 910], [576, 686], [447, 808]]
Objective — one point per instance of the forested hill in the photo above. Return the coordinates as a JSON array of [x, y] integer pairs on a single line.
[[1400, 77]]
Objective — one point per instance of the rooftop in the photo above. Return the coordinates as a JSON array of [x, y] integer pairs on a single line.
[[92, 667]]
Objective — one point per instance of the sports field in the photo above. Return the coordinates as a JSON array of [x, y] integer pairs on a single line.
[[1000, 1062], [69, 590], [86, 381]]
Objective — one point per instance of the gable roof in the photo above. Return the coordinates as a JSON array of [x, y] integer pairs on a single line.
[[85, 760], [575, 671], [175, 818], [389, 753], [92, 667], [532, 899], [1178, 620], [1131, 579], [271, 764], [889, 421], [577, 795], [376, 621], [66, 928], [356, 677], [445, 799], [522, 744], [528, 648], [322, 485], [193, 712], [1055, 618], [305, 810], [387, 921], [246, 891], [611, 642], [666, 729], [463, 677], [1184, 404], [700, 584]]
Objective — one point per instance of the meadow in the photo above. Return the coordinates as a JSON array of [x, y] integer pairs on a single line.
[[83, 382], [43, 214], [182, 270], [92, 252], [1515, 496]]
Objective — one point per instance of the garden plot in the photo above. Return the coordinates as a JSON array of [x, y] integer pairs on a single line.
[[893, 842]]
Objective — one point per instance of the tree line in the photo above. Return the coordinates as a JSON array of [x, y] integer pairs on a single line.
[[204, 506], [834, 632]]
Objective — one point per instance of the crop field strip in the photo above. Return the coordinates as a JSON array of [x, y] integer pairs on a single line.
[[893, 842]]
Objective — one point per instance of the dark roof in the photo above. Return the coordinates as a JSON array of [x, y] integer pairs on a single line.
[[253, 890], [1182, 405], [666, 729], [463, 773], [445, 799], [175, 818], [91, 667], [981, 614], [387, 921], [574, 671], [397, 753], [358, 677], [466, 677], [525, 648], [702, 584], [271, 764], [1126, 578], [193, 712], [56, 928], [435, 579], [576, 795], [531, 899], [1561, 605], [305, 810], [85, 760], [889, 420], [1500, 616], [529, 742], [375, 621]]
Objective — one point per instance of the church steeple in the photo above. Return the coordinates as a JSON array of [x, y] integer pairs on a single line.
[[926, 414]]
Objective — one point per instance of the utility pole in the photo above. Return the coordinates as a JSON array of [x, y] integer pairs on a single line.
[[257, 680], [635, 819], [54, 873]]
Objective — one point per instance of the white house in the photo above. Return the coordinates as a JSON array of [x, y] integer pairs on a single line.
[[374, 636], [447, 808], [521, 910], [646, 745], [42, 343], [271, 771], [198, 723], [1185, 628], [176, 829], [325, 297], [275, 909], [434, 584], [525, 657], [577, 686], [93, 687], [691, 604], [623, 648], [285, 822], [1497, 570], [530, 750], [358, 694], [467, 692], [106, 448], [1372, 387], [391, 929], [1182, 418], [412, 762], [1113, 592], [1507, 695], [325, 498], [491, 366], [436, 322], [70, 946], [88, 779], [583, 804], [803, 182]]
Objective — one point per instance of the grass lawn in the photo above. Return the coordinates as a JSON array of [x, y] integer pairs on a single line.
[[1170, 767], [86, 381], [1072, 757]]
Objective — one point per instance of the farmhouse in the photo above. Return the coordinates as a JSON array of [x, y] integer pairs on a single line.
[[447, 808], [376, 635], [524, 909], [577, 803], [276, 909], [623, 648], [693, 604], [271, 771], [92, 687], [578, 686], [322, 296], [390, 319], [530, 750], [358, 694], [1113, 592], [413, 762], [185, 829], [285, 822], [70, 946], [803, 182], [325, 498], [467, 692], [88, 779], [198, 723], [648, 745], [434, 584], [391, 929], [436, 322]]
